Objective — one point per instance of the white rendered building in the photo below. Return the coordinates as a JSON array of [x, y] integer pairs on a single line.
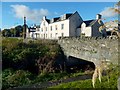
[[68, 25]]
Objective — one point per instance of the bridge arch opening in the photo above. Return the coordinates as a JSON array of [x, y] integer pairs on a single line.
[[74, 64]]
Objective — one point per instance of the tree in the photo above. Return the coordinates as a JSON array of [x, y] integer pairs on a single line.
[[12, 30], [6, 33], [16, 32]]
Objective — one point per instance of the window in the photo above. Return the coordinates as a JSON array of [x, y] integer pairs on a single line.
[[55, 27], [51, 35], [51, 28], [44, 35], [62, 34], [46, 28], [62, 26], [41, 30], [56, 34]]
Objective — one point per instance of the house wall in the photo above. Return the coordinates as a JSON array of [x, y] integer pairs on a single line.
[[31, 35], [54, 34], [91, 31], [27, 33], [95, 29], [88, 31], [78, 32], [83, 26], [44, 29], [75, 22]]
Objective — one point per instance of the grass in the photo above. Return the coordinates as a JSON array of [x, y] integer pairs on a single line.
[[112, 83], [56, 76]]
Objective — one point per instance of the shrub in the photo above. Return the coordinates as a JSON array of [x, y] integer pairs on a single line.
[[15, 78]]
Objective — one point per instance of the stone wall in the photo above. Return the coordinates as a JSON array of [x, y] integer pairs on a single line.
[[90, 48]]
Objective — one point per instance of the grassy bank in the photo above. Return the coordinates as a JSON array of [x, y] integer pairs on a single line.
[[108, 81]]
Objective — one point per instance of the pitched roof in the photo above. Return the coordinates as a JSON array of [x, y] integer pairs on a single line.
[[59, 18], [48, 20], [55, 19], [68, 15], [89, 22], [32, 29]]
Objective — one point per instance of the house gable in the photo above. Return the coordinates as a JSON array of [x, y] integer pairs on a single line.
[[95, 28], [75, 22]]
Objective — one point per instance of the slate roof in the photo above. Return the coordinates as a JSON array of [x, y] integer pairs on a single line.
[[32, 29], [48, 20], [67, 16], [56, 19], [89, 22]]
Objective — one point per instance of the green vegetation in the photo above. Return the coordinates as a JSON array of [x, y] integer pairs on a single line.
[[36, 61], [31, 62], [13, 32], [24, 63], [108, 81]]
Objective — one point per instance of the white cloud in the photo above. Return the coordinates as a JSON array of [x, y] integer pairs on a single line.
[[34, 15], [109, 12]]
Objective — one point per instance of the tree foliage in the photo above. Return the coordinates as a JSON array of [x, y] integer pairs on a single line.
[[13, 32]]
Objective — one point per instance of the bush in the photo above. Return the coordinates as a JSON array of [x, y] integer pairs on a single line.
[[29, 56], [22, 62], [15, 78]]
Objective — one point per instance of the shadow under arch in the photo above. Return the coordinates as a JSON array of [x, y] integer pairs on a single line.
[[74, 64]]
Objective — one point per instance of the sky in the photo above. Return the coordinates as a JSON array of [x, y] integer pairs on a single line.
[[13, 12]]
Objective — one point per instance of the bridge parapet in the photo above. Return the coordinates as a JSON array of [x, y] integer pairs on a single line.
[[91, 48]]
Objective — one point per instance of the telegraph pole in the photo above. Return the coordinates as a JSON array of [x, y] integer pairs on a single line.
[[24, 28]]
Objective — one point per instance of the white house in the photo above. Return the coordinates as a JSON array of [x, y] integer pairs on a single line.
[[65, 26], [90, 28]]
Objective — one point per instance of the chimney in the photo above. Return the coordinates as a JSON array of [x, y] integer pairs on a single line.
[[44, 17], [98, 16], [52, 20]]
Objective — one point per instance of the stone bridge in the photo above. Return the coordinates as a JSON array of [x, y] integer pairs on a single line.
[[90, 48]]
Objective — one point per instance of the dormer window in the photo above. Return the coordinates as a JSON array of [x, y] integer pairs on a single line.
[[63, 17]]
